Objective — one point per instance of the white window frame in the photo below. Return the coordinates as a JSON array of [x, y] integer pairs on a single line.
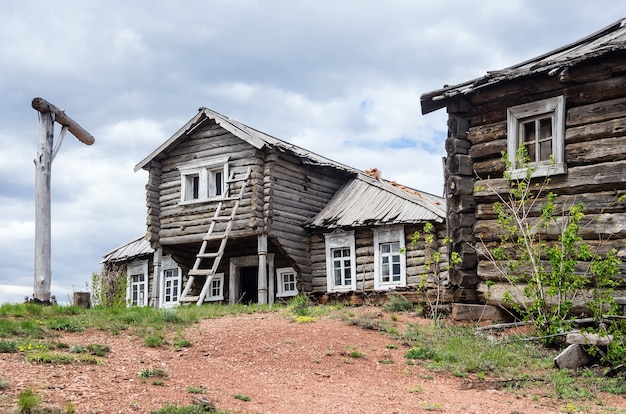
[[281, 273], [136, 268], [168, 264], [208, 187], [211, 295], [553, 108], [340, 239], [384, 235]]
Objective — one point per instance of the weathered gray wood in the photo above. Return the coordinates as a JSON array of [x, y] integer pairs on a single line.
[[596, 112], [473, 312], [79, 132], [583, 338], [43, 235], [82, 299], [574, 356], [43, 170]]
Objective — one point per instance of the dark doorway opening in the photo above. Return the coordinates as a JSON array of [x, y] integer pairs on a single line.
[[249, 284]]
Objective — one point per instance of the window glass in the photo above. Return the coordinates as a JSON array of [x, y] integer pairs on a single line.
[[538, 128]]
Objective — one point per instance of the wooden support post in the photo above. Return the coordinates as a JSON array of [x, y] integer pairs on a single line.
[[43, 234], [43, 166], [262, 251], [157, 258]]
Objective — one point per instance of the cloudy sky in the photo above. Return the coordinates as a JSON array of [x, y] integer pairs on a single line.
[[339, 77]]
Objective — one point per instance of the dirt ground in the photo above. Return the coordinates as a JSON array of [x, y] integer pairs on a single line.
[[280, 365]]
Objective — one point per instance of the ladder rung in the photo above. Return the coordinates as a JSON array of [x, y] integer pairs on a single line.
[[236, 180], [189, 299], [208, 255], [213, 237], [200, 272], [221, 218]]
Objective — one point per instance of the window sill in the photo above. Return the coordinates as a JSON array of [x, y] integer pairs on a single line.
[[540, 171], [390, 286], [201, 201], [341, 289], [286, 294], [214, 298]]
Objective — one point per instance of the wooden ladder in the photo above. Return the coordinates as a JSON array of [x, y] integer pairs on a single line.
[[200, 267]]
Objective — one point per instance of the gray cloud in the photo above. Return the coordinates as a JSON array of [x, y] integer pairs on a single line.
[[342, 79]]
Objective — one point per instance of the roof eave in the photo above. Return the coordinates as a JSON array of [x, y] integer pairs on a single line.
[[432, 101]]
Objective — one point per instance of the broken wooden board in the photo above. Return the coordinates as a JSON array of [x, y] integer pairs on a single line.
[[472, 312]]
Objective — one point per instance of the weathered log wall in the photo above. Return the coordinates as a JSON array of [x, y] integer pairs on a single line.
[[187, 223], [595, 155], [281, 196], [416, 269], [293, 194]]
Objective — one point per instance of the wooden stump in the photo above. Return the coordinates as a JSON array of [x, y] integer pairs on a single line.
[[82, 299]]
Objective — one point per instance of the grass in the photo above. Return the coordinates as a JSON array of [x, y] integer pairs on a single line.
[[186, 409], [196, 390], [518, 365], [241, 397], [28, 400], [153, 372]]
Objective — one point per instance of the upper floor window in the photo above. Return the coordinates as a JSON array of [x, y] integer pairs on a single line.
[[537, 128], [340, 261], [389, 260], [202, 181]]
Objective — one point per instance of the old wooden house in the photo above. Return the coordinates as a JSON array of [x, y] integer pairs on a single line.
[[568, 109], [245, 217]]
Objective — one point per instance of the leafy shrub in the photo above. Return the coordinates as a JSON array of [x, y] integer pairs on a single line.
[[398, 303]]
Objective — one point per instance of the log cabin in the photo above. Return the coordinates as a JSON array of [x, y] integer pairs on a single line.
[[567, 107], [236, 215]]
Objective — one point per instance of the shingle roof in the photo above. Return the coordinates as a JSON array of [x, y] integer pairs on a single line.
[[135, 248], [609, 39], [366, 201], [254, 137]]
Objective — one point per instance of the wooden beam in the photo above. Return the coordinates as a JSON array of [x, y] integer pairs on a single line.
[[44, 106]]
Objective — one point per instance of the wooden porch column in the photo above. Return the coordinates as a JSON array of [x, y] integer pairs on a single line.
[[155, 295], [262, 251]]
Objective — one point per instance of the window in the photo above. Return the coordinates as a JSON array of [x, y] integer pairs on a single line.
[[137, 290], [539, 128], [389, 261], [340, 261], [216, 290], [286, 284], [171, 282], [203, 181]]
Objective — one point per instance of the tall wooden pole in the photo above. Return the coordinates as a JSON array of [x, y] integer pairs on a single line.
[[48, 114], [43, 164]]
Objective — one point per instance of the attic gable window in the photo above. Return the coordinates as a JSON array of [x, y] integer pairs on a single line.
[[539, 128], [203, 180], [340, 261]]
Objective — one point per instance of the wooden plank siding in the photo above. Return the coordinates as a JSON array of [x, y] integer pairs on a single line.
[[595, 155]]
